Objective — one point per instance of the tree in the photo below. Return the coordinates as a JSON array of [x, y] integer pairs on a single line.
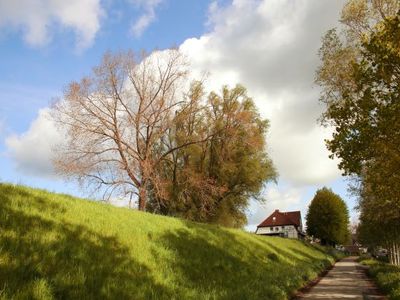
[[214, 181], [115, 118], [328, 218], [362, 100], [133, 130]]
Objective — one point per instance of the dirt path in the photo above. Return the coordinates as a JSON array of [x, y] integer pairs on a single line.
[[346, 280]]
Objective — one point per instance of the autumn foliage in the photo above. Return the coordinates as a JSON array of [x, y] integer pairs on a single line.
[[139, 129]]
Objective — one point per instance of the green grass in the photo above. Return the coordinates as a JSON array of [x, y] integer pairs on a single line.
[[386, 276], [59, 247]]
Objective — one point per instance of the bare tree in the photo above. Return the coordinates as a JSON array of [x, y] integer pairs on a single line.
[[116, 119]]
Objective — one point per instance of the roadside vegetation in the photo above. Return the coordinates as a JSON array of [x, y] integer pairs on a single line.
[[386, 276], [359, 76], [59, 247]]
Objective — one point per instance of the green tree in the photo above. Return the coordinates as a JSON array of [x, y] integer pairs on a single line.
[[214, 181], [361, 94], [328, 218], [133, 130]]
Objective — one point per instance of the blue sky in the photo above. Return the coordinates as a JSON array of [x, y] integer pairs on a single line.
[[32, 76], [269, 46]]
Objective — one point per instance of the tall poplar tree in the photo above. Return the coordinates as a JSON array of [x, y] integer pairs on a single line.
[[328, 218], [360, 76]]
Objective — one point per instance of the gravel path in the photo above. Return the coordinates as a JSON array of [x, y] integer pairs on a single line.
[[346, 280]]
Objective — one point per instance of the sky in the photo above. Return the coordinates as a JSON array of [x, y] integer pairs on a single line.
[[269, 46]]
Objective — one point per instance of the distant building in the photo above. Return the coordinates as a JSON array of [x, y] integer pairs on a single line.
[[284, 224]]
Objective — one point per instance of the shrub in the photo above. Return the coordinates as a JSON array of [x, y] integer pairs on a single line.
[[273, 257], [386, 276]]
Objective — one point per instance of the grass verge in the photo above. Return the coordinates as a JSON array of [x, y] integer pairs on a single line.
[[58, 247], [386, 276]]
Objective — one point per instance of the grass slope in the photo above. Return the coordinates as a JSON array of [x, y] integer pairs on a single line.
[[56, 246]]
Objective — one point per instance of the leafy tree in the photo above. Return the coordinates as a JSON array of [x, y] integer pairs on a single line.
[[328, 218], [360, 75], [214, 181], [132, 130]]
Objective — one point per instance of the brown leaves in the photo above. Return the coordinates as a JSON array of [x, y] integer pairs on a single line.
[[115, 117], [132, 128]]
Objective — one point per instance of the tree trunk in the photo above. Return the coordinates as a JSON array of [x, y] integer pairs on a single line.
[[390, 253], [397, 254], [393, 255], [142, 197]]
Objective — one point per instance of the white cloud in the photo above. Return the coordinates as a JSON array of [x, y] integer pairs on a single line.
[[271, 47], [36, 19], [32, 150], [148, 16]]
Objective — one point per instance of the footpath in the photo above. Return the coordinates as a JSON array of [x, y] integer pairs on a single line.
[[346, 280]]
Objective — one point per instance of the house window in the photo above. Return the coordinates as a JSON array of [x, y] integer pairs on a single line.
[[271, 228], [283, 227], [276, 228]]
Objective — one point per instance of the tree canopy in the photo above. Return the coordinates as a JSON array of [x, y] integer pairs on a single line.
[[136, 128], [213, 181], [360, 75], [328, 218]]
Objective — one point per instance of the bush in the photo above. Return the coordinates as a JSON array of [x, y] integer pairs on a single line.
[[336, 253], [386, 276], [273, 257], [364, 257]]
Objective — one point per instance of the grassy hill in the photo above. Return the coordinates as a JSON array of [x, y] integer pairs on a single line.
[[56, 246]]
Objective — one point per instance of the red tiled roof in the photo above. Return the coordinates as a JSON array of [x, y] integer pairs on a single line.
[[278, 218]]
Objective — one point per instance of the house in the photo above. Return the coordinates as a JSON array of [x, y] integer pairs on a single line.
[[284, 224]]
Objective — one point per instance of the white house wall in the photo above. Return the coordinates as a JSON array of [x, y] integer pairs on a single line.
[[287, 231]]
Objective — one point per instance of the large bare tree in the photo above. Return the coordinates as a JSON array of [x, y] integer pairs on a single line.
[[116, 120]]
